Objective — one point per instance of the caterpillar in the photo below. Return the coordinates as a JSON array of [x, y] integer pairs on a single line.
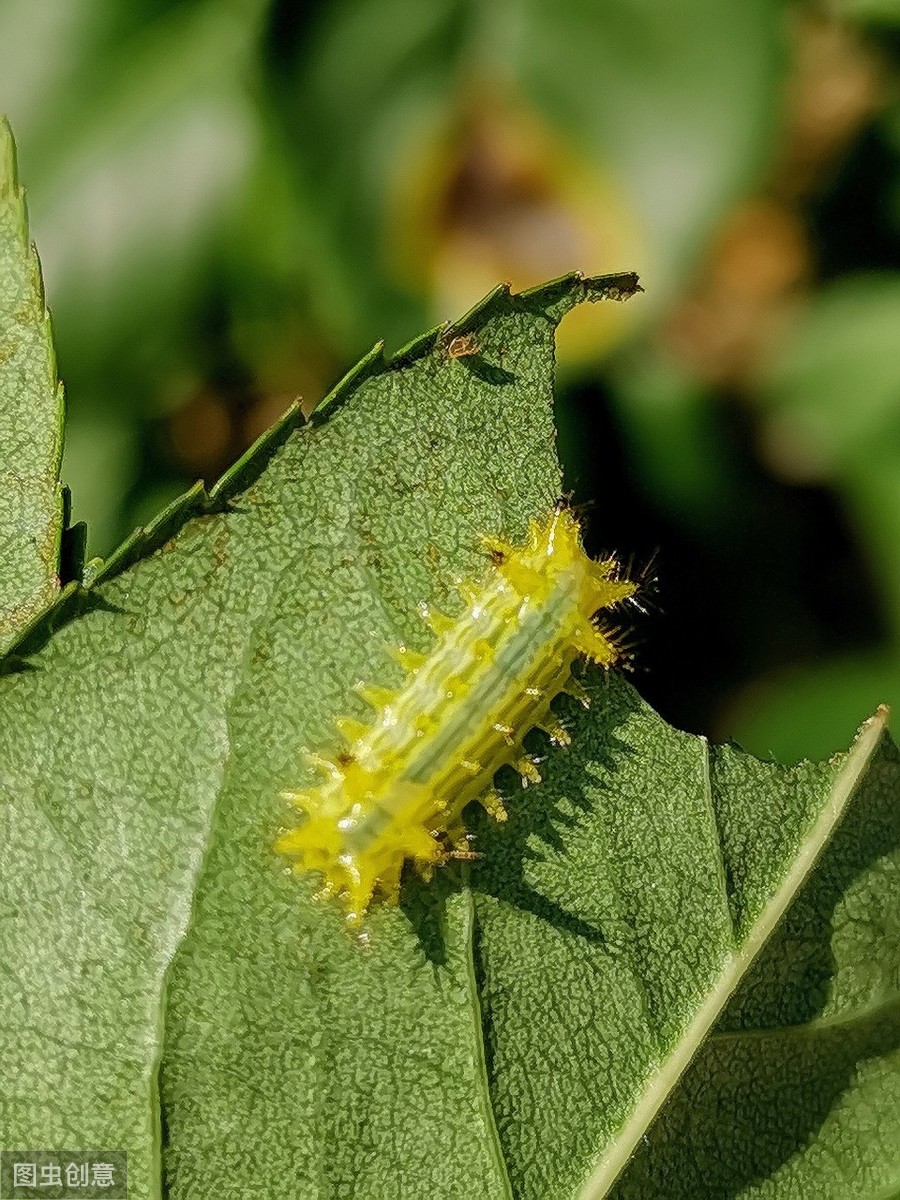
[[398, 791]]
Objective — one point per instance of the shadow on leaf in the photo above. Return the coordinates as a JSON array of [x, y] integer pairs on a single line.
[[778, 1068]]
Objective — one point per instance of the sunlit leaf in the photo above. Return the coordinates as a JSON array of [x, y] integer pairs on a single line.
[[31, 416]]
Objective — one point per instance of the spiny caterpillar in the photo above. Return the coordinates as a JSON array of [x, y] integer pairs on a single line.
[[399, 790]]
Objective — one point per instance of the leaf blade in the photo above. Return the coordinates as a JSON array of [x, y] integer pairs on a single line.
[[230, 633], [615, 888], [31, 419], [812, 1035], [124, 730], [844, 786], [395, 529]]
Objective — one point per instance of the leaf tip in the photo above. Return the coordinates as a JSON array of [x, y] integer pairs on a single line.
[[9, 175]]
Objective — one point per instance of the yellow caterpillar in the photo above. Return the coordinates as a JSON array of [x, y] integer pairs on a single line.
[[399, 789]]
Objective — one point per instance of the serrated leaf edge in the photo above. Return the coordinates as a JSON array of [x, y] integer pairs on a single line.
[[564, 294], [12, 190]]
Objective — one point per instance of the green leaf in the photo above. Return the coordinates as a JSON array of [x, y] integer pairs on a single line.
[[390, 491], [134, 723], [845, 346], [31, 419], [617, 916], [508, 1034], [797, 1094], [870, 12], [142, 135], [136, 165]]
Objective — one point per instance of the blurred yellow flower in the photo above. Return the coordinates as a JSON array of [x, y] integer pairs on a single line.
[[499, 195]]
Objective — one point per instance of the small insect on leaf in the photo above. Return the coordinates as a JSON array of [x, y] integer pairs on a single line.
[[398, 787], [464, 345]]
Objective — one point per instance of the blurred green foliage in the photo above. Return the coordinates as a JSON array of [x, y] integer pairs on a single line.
[[233, 198]]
